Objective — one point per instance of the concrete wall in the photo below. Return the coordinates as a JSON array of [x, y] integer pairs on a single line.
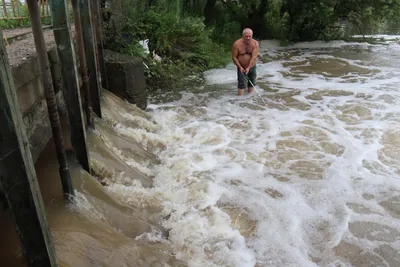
[[125, 77], [32, 100]]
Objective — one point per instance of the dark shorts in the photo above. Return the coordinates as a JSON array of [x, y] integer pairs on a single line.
[[242, 80]]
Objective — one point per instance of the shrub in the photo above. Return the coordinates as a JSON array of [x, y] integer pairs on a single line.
[[182, 41]]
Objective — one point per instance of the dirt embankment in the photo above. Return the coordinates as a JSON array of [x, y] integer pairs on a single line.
[[21, 44]]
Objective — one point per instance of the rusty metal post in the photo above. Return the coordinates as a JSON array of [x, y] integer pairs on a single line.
[[95, 32], [66, 55], [83, 65], [100, 45], [97, 36], [44, 67], [87, 32]]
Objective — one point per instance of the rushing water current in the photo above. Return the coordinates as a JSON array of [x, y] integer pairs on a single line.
[[311, 177]]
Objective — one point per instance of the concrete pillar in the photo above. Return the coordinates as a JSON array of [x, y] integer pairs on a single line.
[[125, 76]]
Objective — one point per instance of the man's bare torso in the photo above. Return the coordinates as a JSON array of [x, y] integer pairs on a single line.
[[244, 51]]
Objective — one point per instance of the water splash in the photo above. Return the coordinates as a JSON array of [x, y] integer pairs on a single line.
[[310, 179]]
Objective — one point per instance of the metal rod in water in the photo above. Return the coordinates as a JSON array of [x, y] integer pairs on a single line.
[[259, 95], [256, 90]]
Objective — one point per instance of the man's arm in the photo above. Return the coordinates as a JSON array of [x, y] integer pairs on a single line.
[[254, 55], [234, 57]]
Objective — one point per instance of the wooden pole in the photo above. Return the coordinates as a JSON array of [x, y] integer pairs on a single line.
[[5, 9], [87, 32], [26, 10], [13, 9], [66, 55], [44, 67], [18, 9], [39, 4], [18, 176]]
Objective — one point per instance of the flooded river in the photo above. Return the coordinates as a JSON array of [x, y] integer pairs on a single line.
[[207, 178]]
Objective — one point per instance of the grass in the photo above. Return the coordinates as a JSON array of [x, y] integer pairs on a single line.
[[21, 22]]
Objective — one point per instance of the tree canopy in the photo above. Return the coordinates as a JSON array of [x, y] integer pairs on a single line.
[[302, 20]]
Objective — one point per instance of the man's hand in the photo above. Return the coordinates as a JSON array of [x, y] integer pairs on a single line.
[[241, 70], [246, 70]]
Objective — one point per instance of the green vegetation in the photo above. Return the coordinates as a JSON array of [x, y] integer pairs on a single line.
[[182, 41], [20, 23], [194, 35], [11, 21]]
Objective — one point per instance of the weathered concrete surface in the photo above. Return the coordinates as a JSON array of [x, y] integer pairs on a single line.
[[32, 100], [22, 47], [125, 75], [30, 92], [17, 34]]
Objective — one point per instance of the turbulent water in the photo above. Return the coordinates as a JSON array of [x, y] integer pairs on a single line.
[[311, 177]]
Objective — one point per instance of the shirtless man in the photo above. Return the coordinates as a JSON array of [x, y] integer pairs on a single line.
[[244, 55]]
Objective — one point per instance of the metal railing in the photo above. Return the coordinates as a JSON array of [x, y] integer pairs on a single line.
[[18, 10]]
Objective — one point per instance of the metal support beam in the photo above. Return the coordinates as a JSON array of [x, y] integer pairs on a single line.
[[44, 67], [88, 39], [18, 177], [95, 28], [83, 64], [66, 55], [100, 44]]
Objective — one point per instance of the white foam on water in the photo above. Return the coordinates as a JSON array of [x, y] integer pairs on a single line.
[[83, 205], [221, 76], [293, 167], [379, 36]]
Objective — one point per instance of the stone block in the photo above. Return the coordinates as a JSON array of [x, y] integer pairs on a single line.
[[38, 129], [31, 98], [25, 72], [125, 76], [29, 94]]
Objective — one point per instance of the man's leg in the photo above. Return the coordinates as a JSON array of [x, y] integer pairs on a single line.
[[252, 75], [241, 82]]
